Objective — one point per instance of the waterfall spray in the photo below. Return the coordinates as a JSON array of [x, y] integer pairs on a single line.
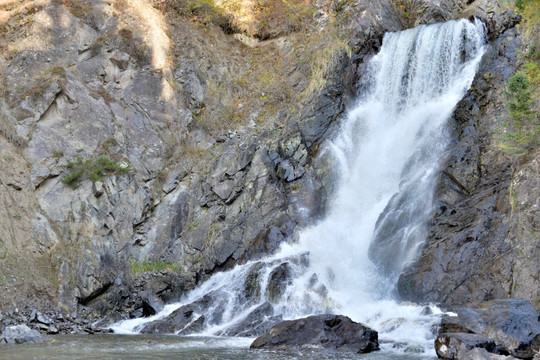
[[388, 152]]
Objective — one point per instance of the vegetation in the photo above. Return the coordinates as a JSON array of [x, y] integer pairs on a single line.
[[327, 48], [409, 11], [148, 266], [92, 169], [520, 134], [55, 74]]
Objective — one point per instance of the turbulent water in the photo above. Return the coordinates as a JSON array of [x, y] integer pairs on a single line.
[[387, 156]]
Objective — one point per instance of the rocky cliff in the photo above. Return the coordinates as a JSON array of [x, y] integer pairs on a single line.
[[147, 144]]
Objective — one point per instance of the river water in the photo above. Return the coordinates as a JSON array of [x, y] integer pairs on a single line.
[[156, 347], [387, 156]]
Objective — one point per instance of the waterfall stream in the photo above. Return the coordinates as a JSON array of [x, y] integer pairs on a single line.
[[387, 155]]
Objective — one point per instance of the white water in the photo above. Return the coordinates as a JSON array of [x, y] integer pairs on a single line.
[[387, 153]]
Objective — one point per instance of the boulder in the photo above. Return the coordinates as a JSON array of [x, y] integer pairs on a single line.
[[512, 324], [151, 304], [256, 323], [278, 281], [331, 333], [176, 321], [20, 334]]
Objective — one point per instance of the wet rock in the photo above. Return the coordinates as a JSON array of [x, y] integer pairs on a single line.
[[177, 320], [475, 240], [332, 333], [457, 345], [256, 323], [512, 324], [20, 334], [211, 305], [151, 304], [278, 281], [252, 287], [194, 327], [451, 324]]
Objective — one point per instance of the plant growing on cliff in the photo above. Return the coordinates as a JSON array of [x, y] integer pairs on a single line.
[[521, 133], [92, 169], [149, 266], [409, 10]]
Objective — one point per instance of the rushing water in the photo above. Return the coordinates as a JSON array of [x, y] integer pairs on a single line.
[[387, 153]]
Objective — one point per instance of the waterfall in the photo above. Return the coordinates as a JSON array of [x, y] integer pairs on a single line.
[[387, 154]]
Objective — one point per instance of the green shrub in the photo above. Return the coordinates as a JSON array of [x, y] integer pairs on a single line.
[[92, 169], [148, 266], [521, 132]]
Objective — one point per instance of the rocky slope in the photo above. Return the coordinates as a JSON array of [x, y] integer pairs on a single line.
[[200, 146], [205, 123]]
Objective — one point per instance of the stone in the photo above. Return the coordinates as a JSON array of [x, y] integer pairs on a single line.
[[151, 304], [512, 324], [331, 333], [451, 346], [278, 281], [452, 324], [256, 323], [97, 188], [20, 334], [44, 319]]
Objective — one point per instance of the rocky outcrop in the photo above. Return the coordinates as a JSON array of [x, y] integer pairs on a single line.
[[499, 327], [216, 178], [482, 241], [331, 333]]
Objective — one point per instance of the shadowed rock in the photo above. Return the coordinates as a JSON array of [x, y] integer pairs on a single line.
[[332, 333]]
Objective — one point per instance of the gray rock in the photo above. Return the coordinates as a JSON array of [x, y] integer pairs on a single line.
[[151, 304], [256, 323], [177, 320], [476, 241], [97, 188], [451, 346], [20, 334], [278, 281], [512, 324], [332, 333], [44, 319]]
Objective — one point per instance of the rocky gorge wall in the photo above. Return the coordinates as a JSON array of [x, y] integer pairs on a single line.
[[212, 121]]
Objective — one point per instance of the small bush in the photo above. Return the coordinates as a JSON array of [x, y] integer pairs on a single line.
[[92, 169], [521, 133]]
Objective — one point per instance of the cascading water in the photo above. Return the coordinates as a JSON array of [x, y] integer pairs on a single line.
[[387, 153]]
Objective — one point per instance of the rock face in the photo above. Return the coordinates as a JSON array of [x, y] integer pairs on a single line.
[[223, 139], [498, 327], [217, 176], [482, 242], [332, 333]]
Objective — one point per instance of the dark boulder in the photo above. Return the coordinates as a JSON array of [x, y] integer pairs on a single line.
[[151, 304], [256, 323], [512, 324], [451, 324], [176, 321], [279, 279], [333, 333]]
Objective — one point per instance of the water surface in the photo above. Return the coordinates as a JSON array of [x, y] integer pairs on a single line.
[[152, 347]]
